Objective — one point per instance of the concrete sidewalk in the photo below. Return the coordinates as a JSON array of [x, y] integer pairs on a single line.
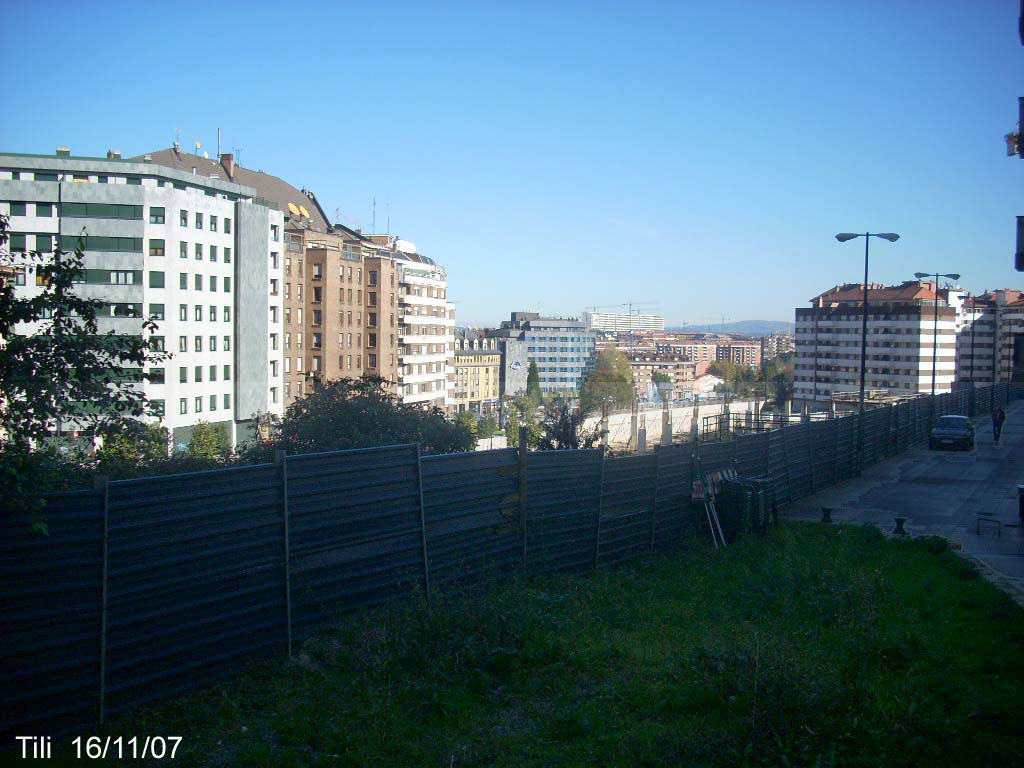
[[943, 494]]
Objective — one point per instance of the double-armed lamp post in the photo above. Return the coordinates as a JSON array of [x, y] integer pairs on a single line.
[[842, 237]]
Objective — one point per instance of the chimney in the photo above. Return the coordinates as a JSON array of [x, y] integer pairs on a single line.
[[228, 161], [113, 154], [63, 151], [147, 159]]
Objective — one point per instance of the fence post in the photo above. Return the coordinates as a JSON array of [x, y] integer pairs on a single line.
[[102, 484], [281, 459], [810, 454], [523, 435], [423, 525], [600, 509]]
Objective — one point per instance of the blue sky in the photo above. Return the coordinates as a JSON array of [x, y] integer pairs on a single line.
[[697, 155]]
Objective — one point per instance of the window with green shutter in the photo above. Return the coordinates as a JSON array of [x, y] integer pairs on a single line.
[[134, 180], [18, 209], [45, 176], [156, 375], [44, 209], [44, 243], [183, 281], [156, 215], [156, 311], [156, 279], [17, 242], [156, 247], [183, 249]]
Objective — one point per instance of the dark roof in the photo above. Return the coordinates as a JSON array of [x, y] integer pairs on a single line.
[[269, 187]]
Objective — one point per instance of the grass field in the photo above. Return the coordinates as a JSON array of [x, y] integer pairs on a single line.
[[817, 645]]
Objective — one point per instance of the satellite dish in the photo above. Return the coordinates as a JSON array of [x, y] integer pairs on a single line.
[[293, 208], [305, 212]]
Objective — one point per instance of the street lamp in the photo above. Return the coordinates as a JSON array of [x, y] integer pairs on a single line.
[[842, 237], [935, 324]]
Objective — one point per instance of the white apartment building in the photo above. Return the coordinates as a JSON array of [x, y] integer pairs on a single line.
[[426, 333], [200, 255], [899, 346], [617, 322], [990, 338]]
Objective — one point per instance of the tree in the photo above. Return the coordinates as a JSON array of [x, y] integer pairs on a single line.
[[486, 427], [209, 441], [468, 420], [610, 381], [360, 413], [660, 377], [57, 371], [522, 413], [134, 445], [562, 429], [533, 392]]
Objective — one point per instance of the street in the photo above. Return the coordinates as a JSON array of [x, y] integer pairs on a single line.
[[944, 493]]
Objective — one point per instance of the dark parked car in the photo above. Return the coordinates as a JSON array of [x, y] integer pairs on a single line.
[[952, 432]]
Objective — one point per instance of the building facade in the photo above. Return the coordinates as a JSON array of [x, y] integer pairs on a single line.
[[478, 362], [562, 348], [202, 256], [680, 370], [619, 323], [899, 341], [355, 304], [776, 344]]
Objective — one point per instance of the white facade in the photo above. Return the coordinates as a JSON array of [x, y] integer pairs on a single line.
[[166, 244], [608, 321], [426, 362]]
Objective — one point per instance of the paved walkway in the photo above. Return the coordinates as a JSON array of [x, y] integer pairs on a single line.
[[943, 493]]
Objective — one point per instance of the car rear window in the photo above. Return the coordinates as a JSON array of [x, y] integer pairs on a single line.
[[951, 422]]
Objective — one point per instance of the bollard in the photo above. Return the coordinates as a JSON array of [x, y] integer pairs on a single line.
[[826, 514], [899, 531]]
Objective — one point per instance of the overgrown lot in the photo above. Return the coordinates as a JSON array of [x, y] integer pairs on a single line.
[[816, 645]]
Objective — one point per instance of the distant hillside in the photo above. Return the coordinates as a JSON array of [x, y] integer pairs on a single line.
[[746, 327]]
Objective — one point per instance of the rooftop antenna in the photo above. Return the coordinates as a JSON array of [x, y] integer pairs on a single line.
[[238, 155], [177, 137], [218, 143]]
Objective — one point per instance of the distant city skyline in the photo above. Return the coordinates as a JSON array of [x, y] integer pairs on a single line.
[[695, 156]]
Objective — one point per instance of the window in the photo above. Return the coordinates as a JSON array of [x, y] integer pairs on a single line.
[[298, 363], [318, 294], [213, 253], [213, 343], [199, 313], [156, 343], [227, 285], [227, 226], [287, 290], [227, 398], [213, 313], [273, 394], [273, 367], [199, 374], [198, 344], [45, 176], [199, 251], [213, 402], [371, 361], [213, 373], [227, 343], [157, 408], [18, 209], [198, 282], [183, 343], [371, 319], [199, 220], [227, 314], [183, 405], [156, 247], [317, 317], [44, 243], [134, 180], [287, 365], [17, 242], [199, 405], [274, 261], [273, 341], [183, 311], [273, 315], [275, 234], [183, 220], [213, 282], [183, 375], [156, 311], [298, 291], [227, 374], [44, 210], [122, 277], [101, 211], [227, 251], [372, 275], [156, 279], [156, 215], [288, 315], [183, 249], [213, 223], [273, 287], [317, 268]]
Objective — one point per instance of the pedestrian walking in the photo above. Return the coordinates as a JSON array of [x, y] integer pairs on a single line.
[[998, 417]]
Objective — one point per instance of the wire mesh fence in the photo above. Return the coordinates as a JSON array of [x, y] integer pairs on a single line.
[[149, 587]]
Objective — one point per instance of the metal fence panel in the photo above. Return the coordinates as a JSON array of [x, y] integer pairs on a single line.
[[715, 457], [675, 484], [195, 579], [563, 499], [50, 625], [798, 463], [356, 533], [627, 507], [751, 450], [823, 453], [471, 512]]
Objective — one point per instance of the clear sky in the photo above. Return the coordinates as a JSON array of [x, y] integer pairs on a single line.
[[697, 155]]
